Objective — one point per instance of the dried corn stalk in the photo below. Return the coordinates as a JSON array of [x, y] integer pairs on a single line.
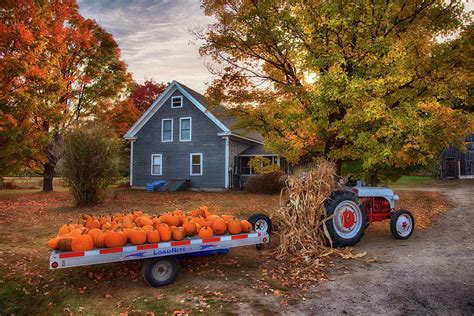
[[301, 215]]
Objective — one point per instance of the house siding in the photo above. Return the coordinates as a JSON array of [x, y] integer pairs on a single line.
[[176, 154]]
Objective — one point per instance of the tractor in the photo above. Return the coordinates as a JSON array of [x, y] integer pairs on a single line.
[[352, 210]]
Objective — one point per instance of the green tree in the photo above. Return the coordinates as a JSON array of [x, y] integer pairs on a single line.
[[364, 81], [90, 162]]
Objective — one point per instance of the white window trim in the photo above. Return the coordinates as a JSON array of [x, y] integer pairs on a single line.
[[161, 165], [190, 129], [180, 97], [162, 130], [191, 164]]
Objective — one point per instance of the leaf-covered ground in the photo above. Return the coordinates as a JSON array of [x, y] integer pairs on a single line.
[[227, 284]]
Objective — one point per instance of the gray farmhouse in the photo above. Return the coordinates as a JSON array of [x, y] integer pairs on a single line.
[[178, 137]]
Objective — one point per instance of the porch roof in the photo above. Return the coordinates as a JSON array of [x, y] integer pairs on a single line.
[[256, 150]]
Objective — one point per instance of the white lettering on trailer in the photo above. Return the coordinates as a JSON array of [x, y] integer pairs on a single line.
[[170, 251]]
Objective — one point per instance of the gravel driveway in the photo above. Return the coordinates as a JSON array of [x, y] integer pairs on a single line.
[[431, 273]]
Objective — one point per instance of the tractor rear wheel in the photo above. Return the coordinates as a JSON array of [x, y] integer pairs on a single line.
[[348, 219]]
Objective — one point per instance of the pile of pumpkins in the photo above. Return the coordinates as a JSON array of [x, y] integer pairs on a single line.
[[138, 228]]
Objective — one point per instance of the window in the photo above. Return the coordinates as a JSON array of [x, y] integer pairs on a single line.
[[177, 102], [245, 168], [167, 130], [185, 125], [196, 164], [156, 164]]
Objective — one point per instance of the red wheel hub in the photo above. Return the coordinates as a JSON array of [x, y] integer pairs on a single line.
[[348, 219]]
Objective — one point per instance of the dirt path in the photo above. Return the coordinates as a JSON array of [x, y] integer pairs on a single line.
[[431, 273]]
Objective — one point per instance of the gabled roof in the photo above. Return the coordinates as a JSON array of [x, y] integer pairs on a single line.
[[219, 115]]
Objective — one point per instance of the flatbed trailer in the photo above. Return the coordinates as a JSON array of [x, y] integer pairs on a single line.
[[160, 265]]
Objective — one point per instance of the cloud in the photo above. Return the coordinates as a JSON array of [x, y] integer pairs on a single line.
[[154, 37]]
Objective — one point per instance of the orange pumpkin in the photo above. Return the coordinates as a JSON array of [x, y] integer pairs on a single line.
[[64, 242], [227, 217], [147, 227], [190, 228], [129, 225], [53, 243], [201, 221], [76, 232], [144, 221], [93, 232], [219, 227], [127, 232], [198, 227], [172, 220], [212, 218], [246, 226], [153, 236], [82, 242], [92, 223], [177, 212], [115, 239], [205, 232], [63, 230], [99, 240], [234, 227], [106, 226], [165, 232], [138, 237], [178, 232]]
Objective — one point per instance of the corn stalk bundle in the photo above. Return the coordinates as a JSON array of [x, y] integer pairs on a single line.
[[301, 216]]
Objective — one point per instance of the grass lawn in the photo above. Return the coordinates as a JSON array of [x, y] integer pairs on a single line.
[[412, 181], [229, 284]]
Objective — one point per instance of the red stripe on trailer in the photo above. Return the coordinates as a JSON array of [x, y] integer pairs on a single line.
[[71, 254], [212, 239], [259, 234], [240, 236], [110, 250], [180, 243], [144, 247]]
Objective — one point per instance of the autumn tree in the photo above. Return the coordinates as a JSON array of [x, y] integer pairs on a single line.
[[56, 68], [373, 82], [143, 95], [128, 110]]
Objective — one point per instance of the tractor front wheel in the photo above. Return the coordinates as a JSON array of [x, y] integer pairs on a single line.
[[347, 218], [402, 224]]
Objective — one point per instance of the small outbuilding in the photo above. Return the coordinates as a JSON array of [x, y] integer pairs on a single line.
[[456, 163]]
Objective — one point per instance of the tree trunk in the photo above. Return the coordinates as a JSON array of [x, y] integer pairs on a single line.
[[374, 180], [49, 168], [48, 176]]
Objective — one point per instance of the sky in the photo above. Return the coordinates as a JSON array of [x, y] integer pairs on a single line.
[[154, 37]]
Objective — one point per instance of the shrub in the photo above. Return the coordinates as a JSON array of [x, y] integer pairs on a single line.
[[267, 183], [90, 162]]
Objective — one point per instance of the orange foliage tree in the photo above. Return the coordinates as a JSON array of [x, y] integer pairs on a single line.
[[56, 69]]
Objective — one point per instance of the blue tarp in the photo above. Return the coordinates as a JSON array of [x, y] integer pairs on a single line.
[[150, 187]]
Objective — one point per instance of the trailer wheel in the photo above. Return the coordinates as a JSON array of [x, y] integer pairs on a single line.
[[261, 223], [160, 271], [348, 222], [402, 224]]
